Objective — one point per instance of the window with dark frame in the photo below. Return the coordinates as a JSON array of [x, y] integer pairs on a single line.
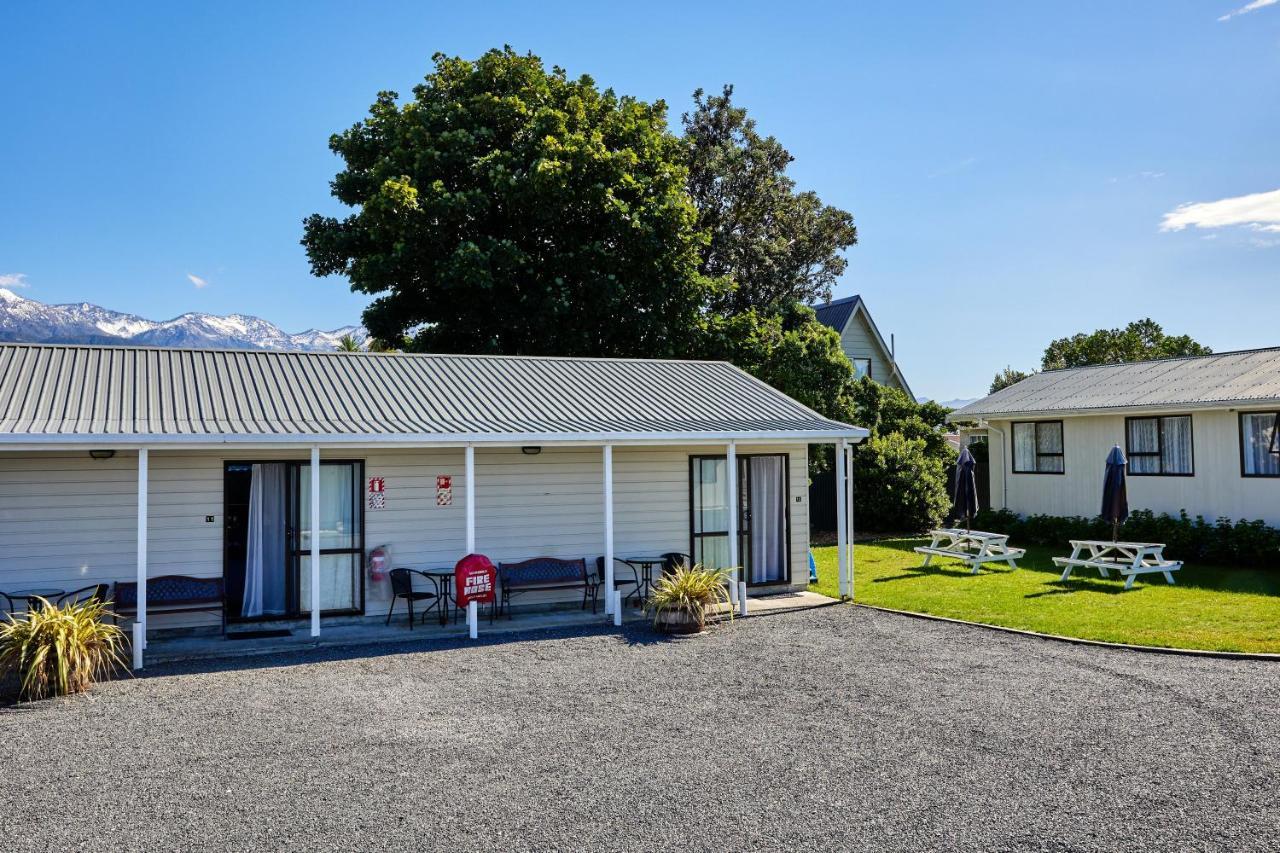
[[1160, 446], [1259, 448], [861, 367], [1038, 448]]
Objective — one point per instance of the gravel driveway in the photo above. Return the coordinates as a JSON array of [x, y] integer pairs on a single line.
[[837, 728]]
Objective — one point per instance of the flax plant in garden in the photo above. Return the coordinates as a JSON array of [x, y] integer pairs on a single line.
[[56, 651]]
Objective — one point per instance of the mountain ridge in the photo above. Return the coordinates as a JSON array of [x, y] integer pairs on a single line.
[[24, 320]]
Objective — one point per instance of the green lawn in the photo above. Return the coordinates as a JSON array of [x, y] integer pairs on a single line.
[[1209, 608]]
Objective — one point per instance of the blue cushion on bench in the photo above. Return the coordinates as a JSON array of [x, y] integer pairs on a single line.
[[543, 570], [170, 589]]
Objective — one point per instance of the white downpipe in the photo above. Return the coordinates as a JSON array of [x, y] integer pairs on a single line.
[[608, 530], [731, 477], [140, 618], [315, 540], [842, 519], [617, 607], [1004, 479], [473, 619], [470, 477], [849, 549], [742, 598]]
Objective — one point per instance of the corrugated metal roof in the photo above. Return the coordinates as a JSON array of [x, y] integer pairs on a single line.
[[1228, 379], [71, 392], [836, 314]]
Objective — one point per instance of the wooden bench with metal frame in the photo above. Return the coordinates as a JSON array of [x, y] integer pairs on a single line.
[[540, 574], [173, 594]]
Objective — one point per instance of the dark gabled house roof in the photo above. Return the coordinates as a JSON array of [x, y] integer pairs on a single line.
[[54, 393], [836, 314]]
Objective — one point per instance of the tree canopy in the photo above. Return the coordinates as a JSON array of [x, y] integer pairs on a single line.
[[772, 244], [1005, 378], [1142, 340], [509, 209]]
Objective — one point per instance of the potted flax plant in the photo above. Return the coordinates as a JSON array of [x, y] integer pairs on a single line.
[[682, 599]]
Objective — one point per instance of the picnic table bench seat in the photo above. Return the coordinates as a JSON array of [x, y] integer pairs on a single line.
[[1130, 559], [974, 548], [173, 594], [540, 574]]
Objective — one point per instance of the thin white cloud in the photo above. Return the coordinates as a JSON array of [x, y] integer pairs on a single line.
[[197, 281], [1256, 212], [1249, 7], [14, 279]]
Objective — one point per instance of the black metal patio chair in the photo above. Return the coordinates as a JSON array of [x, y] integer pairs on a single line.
[[402, 587], [595, 584], [673, 560], [89, 593]]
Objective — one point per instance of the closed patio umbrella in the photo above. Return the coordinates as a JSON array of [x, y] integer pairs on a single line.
[[1115, 500], [966, 492]]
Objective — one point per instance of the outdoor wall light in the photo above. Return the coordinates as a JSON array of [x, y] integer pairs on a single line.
[[531, 450], [102, 454]]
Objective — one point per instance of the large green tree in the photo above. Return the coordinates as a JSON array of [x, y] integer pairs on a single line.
[[772, 244], [506, 208], [1142, 340], [790, 350]]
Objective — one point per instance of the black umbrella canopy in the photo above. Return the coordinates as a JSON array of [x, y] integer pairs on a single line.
[[966, 492], [1115, 499]]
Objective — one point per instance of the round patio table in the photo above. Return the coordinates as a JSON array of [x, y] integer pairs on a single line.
[[30, 595], [442, 579], [645, 566]]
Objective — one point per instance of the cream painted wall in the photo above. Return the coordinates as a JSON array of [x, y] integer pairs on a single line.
[[1217, 489], [68, 521], [858, 341]]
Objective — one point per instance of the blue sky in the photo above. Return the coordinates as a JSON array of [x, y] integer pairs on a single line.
[[1018, 171]]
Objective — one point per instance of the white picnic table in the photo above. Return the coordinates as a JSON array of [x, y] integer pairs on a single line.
[[1130, 559], [972, 547]]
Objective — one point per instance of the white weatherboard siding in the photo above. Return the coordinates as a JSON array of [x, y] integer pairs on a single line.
[[1217, 489], [858, 341], [68, 521]]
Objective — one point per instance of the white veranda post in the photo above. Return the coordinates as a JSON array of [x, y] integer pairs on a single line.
[[470, 478], [849, 490], [315, 540], [608, 529], [842, 519], [140, 619], [731, 479]]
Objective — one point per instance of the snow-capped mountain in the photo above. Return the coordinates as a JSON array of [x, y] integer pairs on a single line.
[[27, 320]]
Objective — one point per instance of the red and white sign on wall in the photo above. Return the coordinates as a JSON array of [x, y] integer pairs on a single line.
[[444, 490], [377, 493], [476, 579]]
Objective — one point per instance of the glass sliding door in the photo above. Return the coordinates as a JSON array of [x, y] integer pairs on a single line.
[[763, 528], [340, 535], [267, 539]]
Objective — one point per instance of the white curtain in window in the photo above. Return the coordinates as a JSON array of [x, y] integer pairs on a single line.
[[1024, 447], [1175, 447], [339, 573], [768, 519], [1256, 433], [264, 569], [1049, 441], [1144, 437]]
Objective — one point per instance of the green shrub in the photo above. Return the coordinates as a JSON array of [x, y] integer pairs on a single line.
[[1243, 543], [898, 486], [687, 594], [60, 650]]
